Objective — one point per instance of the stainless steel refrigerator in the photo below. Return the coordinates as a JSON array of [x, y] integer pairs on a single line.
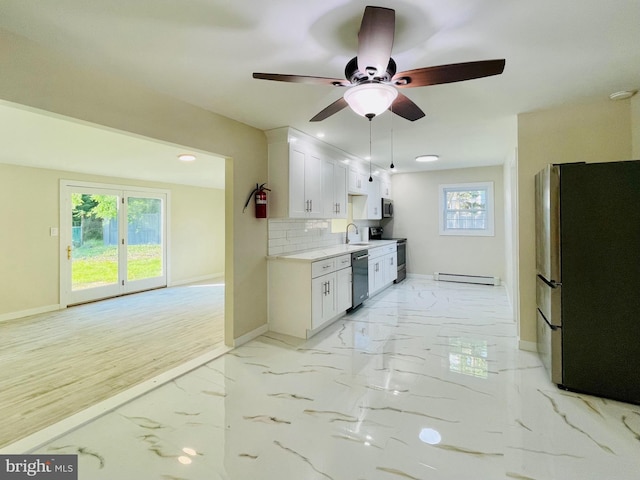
[[588, 277]]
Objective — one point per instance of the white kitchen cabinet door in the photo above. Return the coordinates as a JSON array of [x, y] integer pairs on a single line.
[[313, 184], [323, 299], [385, 188], [328, 200], [391, 267], [376, 275], [340, 189], [374, 200], [298, 205], [334, 186], [305, 182], [357, 181], [343, 289]]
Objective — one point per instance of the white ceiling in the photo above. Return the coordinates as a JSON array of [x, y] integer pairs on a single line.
[[204, 52], [35, 139]]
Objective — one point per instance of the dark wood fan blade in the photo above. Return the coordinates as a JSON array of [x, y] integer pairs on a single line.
[[375, 40], [335, 107], [404, 107], [336, 82], [455, 72]]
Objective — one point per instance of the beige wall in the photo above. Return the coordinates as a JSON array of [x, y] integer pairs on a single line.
[[29, 200], [35, 76], [416, 217], [635, 127], [593, 132]]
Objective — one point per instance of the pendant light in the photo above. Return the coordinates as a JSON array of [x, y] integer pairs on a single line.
[[392, 166], [370, 117]]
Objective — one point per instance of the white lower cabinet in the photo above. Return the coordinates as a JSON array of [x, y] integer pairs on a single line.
[[323, 300], [306, 296], [383, 268]]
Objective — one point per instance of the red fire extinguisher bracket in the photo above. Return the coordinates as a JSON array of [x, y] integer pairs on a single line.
[[260, 196]]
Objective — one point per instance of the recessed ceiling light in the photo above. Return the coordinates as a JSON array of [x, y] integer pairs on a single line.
[[320, 135], [186, 157], [622, 94], [427, 158]]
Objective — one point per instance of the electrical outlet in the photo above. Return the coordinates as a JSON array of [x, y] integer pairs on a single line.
[[53, 231]]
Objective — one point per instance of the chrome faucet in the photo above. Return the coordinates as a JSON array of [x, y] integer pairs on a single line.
[[346, 235]]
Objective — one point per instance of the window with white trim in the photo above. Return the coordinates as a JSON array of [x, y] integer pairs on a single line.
[[466, 209]]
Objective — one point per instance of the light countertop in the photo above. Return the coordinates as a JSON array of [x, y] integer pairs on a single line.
[[333, 251]]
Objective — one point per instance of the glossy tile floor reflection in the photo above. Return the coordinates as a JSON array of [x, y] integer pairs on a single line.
[[424, 382]]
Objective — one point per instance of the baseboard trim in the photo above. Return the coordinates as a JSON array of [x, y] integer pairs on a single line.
[[247, 337], [32, 311], [419, 276], [57, 430], [201, 278], [528, 346]]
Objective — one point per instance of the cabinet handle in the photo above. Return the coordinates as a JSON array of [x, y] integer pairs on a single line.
[[328, 288], [311, 205], [326, 266]]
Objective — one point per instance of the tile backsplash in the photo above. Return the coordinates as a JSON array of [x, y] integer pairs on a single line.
[[290, 235]]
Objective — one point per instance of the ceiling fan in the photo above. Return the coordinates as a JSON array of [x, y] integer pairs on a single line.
[[371, 76]]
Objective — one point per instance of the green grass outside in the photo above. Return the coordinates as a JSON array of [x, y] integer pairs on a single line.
[[95, 264]]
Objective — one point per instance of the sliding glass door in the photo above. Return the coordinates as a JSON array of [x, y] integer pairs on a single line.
[[113, 241]]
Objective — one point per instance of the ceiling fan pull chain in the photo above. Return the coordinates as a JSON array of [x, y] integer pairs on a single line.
[[370, 117], [392, 166]]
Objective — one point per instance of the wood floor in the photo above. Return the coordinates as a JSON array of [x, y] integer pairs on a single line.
[[57, 364]]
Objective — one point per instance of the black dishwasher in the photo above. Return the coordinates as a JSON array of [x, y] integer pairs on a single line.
[[360, 279]]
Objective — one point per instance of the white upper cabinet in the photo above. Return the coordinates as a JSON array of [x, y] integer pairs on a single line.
[[374, 200], [385, 186], [310, 179], [334, 181], [357, 181], [305, 187]]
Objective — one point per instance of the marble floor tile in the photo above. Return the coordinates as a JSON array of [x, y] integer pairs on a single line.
[[424, 382]]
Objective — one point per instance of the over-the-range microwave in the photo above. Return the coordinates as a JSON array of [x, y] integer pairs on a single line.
[[387, 208]]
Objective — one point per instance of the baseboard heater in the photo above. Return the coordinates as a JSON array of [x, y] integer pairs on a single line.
[[456, 277]]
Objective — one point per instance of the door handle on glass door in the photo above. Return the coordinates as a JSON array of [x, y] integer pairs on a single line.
[[68, 252]]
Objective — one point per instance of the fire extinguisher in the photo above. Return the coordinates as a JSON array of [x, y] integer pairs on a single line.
[[260, 195]]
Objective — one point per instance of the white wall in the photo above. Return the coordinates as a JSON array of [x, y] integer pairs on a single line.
[[29, 202], [593, 132], [510, 176], [415, 198]]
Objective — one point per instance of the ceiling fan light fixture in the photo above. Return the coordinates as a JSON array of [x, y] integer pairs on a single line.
[[427, 158], [370, 98]]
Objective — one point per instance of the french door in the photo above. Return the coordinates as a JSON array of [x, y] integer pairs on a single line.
[[113, 241]]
